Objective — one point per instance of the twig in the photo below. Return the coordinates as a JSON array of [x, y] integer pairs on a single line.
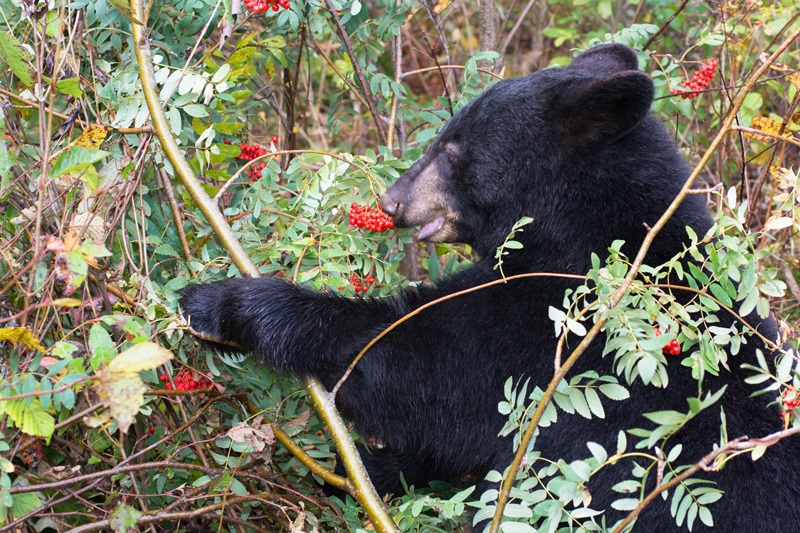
[[84, 124], [421, 308], [705, 464], [427, 69], [357, 68], [664, 26], [516, 26]]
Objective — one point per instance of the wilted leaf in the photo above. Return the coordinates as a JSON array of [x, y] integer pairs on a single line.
[[92, 137], [66, 302], [143, 356], [766, 125], [21, 335], [122, 394]]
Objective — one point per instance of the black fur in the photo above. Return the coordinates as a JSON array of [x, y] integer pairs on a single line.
[[576, 149]]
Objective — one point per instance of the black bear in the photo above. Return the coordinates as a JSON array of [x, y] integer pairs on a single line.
[[577, 150]]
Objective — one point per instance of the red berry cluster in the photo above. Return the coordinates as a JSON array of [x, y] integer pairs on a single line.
[[673, 347], [699, 80], [791, 400], [184, 381], [257, 6], [360, 284], [367, 218], [250, 152]]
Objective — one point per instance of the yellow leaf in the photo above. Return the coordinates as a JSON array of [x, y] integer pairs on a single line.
[[143, 356], [441, 6], [766, 125], [92, 137], [17, 335], [66, 302], [757, 452], [794, 79], [784, 176]]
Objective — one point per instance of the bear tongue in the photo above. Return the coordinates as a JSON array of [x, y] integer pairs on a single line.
[[430, 228]]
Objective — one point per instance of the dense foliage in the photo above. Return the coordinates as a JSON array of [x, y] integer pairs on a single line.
[[295, 116]]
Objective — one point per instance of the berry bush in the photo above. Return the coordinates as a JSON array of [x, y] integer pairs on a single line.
[[114, 417]]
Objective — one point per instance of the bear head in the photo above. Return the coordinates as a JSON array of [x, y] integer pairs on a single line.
[[562, 144]]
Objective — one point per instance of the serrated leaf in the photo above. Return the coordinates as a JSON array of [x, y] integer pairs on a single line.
[[614, 391], [30, 418], [598, 452], [143, 356], [579, 402], [705, 516], [76, 159], [17, 58], [101, 347], [593, 399]]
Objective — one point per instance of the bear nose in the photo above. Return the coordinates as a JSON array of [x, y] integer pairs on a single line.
[[389, 204]]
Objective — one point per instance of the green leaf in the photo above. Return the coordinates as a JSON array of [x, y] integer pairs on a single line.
[[31, 418], [749, 303], [516, 527], [705, 517], [579, 402], [76, 159], [123, 519], [124, 7], [647, 368], [595, 405], [576, 327], [598, 452], [25, 503], [614, 391], [666, 417], [17, 58], [720, 294], [196, 111], [626, 504], [70, 86], [101, 346]]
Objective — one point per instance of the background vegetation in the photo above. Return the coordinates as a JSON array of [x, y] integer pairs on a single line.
[[113, 417]]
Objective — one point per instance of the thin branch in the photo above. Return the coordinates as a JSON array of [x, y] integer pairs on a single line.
[[705, 464], [664, 26], [380, 126]]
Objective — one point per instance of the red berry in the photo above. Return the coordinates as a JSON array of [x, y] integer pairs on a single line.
[[274, 140]]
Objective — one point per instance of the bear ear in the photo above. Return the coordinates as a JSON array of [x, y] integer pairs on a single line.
[[605, 110], [606, 59]]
